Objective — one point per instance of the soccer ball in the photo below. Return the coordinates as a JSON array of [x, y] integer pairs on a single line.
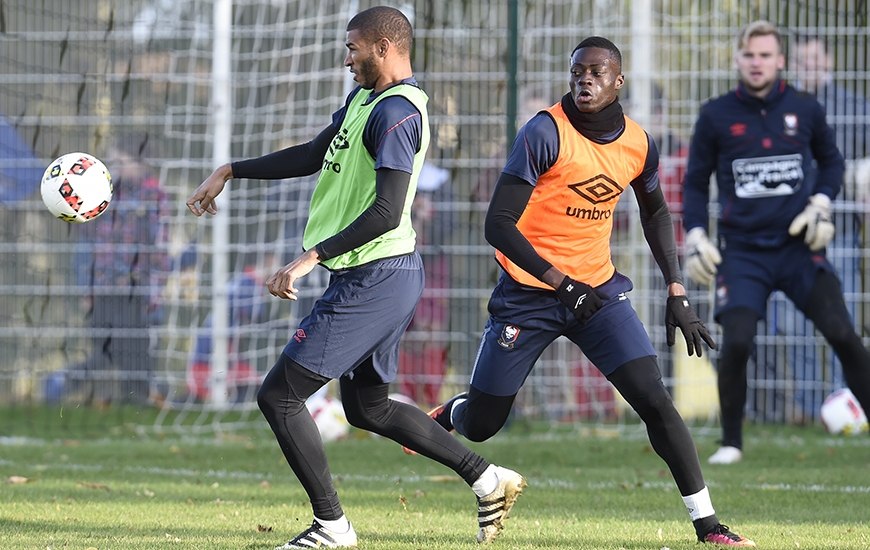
[[328, 414], [841, 413], [76, 187]]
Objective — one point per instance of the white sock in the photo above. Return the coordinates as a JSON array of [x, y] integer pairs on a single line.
[[486, 483], [453, 408], [699, 504], [340, 525]]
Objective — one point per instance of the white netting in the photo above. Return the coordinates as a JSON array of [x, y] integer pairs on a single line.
[[128, 78]]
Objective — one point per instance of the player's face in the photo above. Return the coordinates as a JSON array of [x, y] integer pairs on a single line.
[[759, 63], [595, 79], [362, 60]]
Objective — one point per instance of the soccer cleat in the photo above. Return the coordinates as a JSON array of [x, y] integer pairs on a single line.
[[723, 536], [494, 508], [726, 455], [441, 415], [318, 536]]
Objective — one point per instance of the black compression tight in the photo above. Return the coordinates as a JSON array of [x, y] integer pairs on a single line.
[[827, 310], [640, 383], [482, 415], [738, 331], [282, 400], [367, 407]]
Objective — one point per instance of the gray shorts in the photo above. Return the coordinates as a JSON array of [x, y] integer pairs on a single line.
[[362, 314]]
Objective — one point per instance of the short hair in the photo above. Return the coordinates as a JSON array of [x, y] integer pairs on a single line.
[[758, 28], [384, 22], [604, 44]]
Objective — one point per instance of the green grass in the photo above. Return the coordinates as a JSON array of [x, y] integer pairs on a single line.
[[118, 489]]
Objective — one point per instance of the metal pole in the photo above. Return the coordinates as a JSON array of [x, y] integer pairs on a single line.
[[513, 63], [222, 121]]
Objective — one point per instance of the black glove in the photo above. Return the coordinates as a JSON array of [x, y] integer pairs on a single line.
[[580, 298], [680, 314]]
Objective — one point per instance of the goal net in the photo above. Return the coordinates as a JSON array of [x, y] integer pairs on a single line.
[[152, 309]]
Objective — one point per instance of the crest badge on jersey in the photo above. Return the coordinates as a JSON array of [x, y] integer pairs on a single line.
[[509, 335], [790, 124], [722, 296]]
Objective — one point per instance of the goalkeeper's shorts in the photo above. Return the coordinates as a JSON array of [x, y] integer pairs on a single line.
[[749, 274]]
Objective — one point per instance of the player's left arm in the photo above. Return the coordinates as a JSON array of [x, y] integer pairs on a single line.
[[828, 157], [658, 229], [655, 218], [814, 221], [534, 151]]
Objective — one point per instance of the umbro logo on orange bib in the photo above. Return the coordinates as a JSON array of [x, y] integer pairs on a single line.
[[597, 189]]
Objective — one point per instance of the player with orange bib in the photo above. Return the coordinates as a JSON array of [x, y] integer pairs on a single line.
[[550, 220]]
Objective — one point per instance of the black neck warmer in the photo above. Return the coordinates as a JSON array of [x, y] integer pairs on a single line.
[[594, 125]]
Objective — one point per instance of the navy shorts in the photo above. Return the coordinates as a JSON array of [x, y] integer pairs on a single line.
[[748, 275], [523, 321], [362, 314]]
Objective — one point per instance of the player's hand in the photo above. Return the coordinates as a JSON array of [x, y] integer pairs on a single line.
[[581, 299], [282, 283], [816, 219], [680, 314], [202, 200], [702, 257]]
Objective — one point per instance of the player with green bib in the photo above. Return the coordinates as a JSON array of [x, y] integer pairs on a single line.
[[359, 228]]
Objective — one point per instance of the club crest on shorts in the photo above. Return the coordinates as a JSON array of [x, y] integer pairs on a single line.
[[509, 335]]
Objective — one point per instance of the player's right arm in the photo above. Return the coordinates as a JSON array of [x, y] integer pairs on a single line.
[[534, 151], [702, 256], [299, 160], [509, 200], [703, 157]]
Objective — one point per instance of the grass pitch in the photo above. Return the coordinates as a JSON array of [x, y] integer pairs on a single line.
[[114, 488]]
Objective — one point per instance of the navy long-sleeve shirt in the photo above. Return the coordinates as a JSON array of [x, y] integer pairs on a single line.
[[769, 156]]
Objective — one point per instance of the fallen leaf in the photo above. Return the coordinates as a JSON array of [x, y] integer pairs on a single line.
[[264, 528]]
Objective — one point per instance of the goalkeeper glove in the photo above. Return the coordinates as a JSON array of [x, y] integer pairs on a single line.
[[702, 257], [680, 314], [580, 298], [816, 218]]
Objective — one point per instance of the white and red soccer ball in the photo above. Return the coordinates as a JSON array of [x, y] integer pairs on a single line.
[[76, 187], [328, 414], [841, 413]]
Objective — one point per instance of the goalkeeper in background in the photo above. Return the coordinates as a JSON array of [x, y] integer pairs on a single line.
[[359, 227], [762, 141]]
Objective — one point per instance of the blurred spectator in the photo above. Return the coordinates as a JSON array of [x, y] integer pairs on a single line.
[[847, 111], [123, 261], [20, 170], [246, 293], [423, 352]]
